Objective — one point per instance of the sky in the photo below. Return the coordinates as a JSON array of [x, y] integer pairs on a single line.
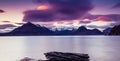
[[60, 13]]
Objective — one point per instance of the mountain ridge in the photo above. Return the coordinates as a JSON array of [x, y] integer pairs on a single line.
[[115, 30], [30, 29]]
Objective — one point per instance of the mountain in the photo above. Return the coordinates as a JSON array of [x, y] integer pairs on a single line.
[[107, 31], [81, 31], [64, 32], [115, 30], [30, 29], [96, 32], [84, 31]]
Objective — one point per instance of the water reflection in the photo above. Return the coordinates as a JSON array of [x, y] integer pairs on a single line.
[[11, 48], [100, 48]]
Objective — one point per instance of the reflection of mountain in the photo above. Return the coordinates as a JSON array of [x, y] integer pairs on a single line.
[[84, 31], [115, 30], [30, 29]]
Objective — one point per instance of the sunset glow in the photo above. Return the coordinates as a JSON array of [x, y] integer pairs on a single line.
[[76, 23], [1, 23], [86, 19], [43, 7], [100, 23], [56, 24]]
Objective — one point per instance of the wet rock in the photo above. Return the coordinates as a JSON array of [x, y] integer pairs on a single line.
[[27, 59], [42, 60], [60, 56]]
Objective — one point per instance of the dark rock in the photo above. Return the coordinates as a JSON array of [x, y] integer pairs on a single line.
[[42, 60], [27, 59], [60, 56]]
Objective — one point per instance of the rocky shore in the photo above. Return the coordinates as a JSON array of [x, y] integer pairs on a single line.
[[61, 56]]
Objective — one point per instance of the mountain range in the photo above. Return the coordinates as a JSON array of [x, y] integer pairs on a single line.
[[30, 29]]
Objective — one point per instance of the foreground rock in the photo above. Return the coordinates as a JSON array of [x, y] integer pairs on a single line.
[[27, 59], [61, 56]]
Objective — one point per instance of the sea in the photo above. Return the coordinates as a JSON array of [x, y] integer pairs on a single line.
[[99, 48]]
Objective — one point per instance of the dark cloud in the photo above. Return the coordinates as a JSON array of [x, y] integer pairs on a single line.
[[117, 5], [6, 21], [61, 10], [85, 22], [113, 18], [37, 15], [6, 26], [109, 17], [2, 11], [20, 23]]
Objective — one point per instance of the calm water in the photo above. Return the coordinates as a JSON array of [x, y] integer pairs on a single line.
[[100, 48]]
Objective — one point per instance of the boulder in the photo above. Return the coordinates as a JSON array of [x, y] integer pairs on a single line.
[[60, 56], [27, 59]]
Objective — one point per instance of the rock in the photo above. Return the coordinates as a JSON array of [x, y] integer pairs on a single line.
[[27, 59], [42, 60], [60, 56]]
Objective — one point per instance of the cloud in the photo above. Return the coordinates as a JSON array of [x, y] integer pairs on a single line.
[[94, 26], [85, 22], [6, 26], [106, 18], [60, 10], [117, 5], [37, 15], [5, 21], [2, 11], [19, 23]]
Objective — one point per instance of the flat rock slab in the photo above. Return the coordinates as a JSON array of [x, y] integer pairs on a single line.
[[62, 56]]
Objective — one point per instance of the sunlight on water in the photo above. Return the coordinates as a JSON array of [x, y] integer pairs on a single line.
[[11, 48], [100, 48]]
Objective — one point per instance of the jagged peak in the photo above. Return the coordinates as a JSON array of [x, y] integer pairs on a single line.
[[29, 23], [96, 29], [82, 28]]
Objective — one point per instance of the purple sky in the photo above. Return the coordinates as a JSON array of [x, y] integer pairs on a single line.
[[18, 6], [13, 10]]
